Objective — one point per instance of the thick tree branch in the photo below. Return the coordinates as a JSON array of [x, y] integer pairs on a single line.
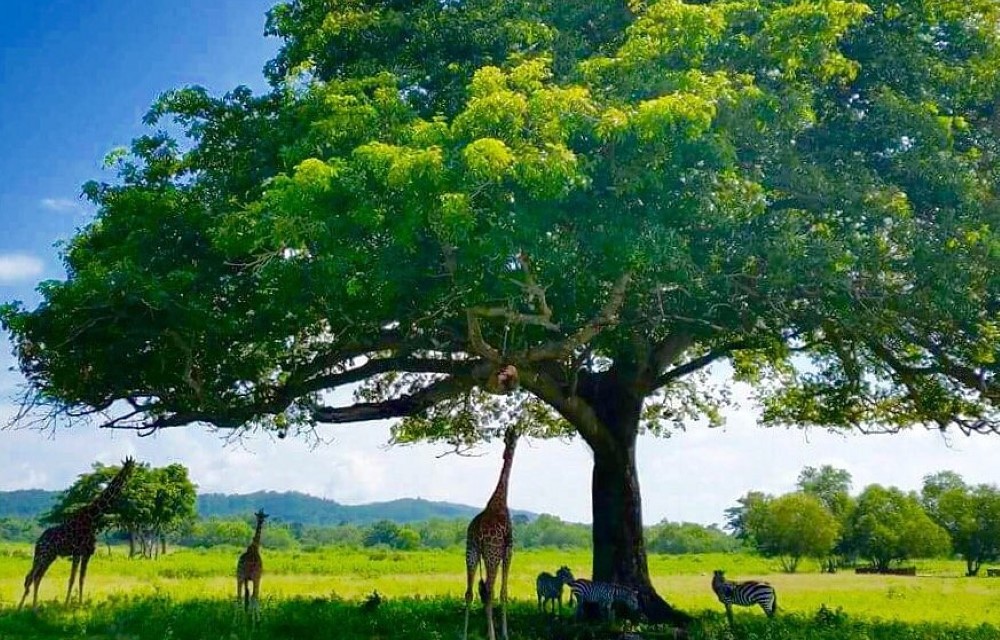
[[667, 351], [700, 362], [572, 407], [376, 366], [478, 344], [408, 405]]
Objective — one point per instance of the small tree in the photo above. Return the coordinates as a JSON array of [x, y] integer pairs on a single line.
[[737, 518], [970, 515], [832, 487], [792, 527], [890, 526]]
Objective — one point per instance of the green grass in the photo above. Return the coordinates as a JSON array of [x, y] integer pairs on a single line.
[[190, 593]]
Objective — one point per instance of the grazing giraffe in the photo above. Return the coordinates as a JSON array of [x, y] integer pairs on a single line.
[[250, 567], [75, 538], [490, 539]]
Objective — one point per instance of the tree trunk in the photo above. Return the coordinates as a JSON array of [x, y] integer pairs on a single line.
[[619, 544], [972, 567], [131, 543]]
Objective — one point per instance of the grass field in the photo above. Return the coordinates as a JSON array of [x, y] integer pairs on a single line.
[[189, 594]]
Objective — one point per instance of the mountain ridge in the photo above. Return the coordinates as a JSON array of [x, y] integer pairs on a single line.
[[286, 506]]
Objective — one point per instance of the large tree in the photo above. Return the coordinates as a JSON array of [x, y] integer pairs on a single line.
[[610, 196]]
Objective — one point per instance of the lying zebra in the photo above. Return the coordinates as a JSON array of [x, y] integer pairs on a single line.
[[550, 587], [603, 594], [744, 594]]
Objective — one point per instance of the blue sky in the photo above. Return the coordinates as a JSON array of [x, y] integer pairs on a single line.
[[76, 78]]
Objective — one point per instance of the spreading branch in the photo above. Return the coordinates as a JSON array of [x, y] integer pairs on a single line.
[[607, 317]]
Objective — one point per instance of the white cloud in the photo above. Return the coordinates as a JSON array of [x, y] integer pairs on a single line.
[[18, 267], [62, 205]]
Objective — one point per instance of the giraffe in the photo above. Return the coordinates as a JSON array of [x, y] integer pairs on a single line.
[[490, 539], [75, 538], [250, 567]]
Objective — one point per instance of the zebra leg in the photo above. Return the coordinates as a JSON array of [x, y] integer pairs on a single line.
[[729, 613]]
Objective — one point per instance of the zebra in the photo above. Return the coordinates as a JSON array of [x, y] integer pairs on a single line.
[[550, 587], [603, 594], [744, 594]]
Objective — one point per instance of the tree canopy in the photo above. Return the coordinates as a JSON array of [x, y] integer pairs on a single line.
[[890, 526], [970, 515], [792, 527], [610, 196], [633, 188]]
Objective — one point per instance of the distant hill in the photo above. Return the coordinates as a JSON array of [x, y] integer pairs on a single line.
[[290, 506], [293, 506], [26, 503]]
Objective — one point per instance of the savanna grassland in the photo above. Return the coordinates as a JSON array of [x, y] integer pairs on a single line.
[[189, 594]]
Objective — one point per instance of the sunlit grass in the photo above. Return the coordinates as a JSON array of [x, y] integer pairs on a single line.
[[303, 587]]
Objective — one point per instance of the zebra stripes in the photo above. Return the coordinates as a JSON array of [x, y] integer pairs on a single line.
[[550, 587], [744, 594], [603, 594]]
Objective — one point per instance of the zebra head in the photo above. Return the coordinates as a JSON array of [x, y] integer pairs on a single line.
[[565, 574]]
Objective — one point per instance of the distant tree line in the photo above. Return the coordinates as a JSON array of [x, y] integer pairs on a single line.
[[881, 526], [821, 520]]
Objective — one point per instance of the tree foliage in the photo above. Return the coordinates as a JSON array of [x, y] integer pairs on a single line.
[[792, 527], [890, 526], [528, 182], [677, 538], [970, 515]]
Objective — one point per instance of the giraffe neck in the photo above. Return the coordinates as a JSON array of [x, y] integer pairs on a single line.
[[255, 543], [106, 499], [499, 498]]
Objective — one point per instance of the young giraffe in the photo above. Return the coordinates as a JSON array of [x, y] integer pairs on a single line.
[[250, 567], [75, 538], [490, 539]]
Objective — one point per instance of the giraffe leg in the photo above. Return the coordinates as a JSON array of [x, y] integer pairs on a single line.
[[28, 581], [254, 598], [83, 573], [491, 581], [471, 562], [505, 570], [72, 577]]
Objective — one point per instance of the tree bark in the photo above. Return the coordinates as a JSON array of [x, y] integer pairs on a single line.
[[619, 542]]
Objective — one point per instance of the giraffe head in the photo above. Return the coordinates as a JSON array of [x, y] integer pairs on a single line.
[[261, 517]]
